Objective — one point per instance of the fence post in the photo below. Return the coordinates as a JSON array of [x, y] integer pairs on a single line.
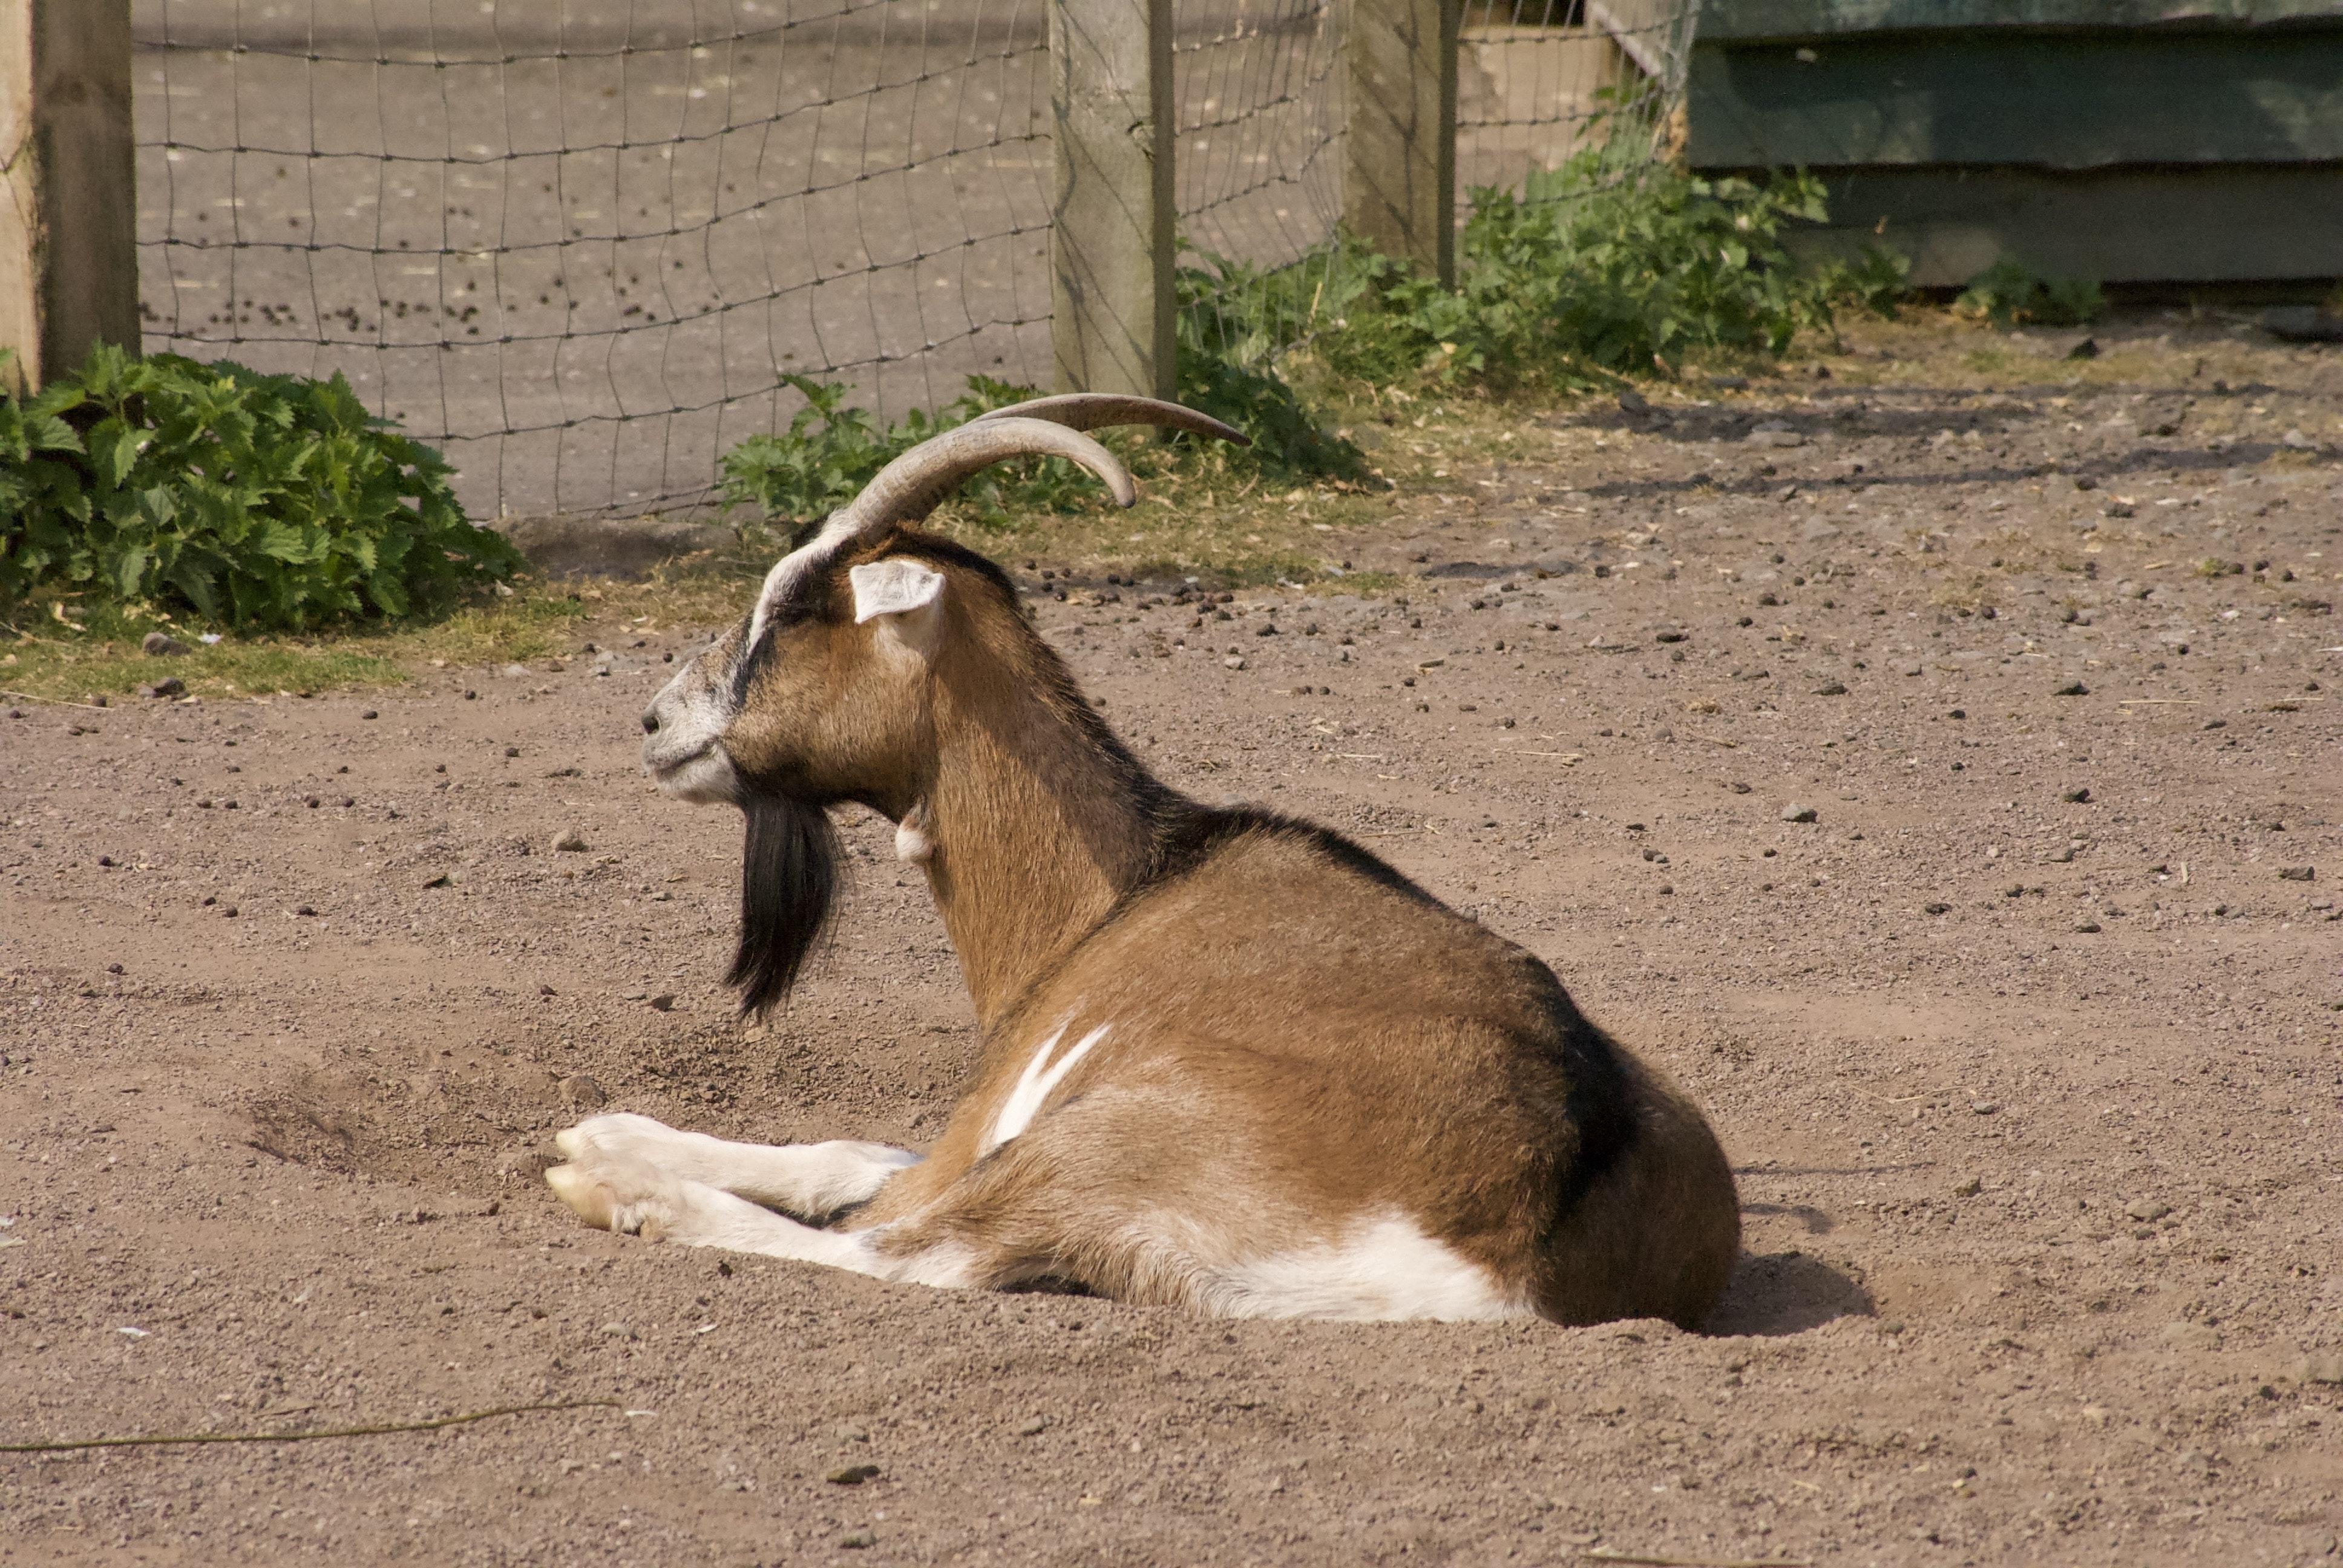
[[1399, 187], [68, 183], [1110, 214]]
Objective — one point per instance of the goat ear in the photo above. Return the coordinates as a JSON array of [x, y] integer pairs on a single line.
[[896, 586]]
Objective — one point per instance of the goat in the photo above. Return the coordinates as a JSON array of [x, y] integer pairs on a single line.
[[1230, 1061]]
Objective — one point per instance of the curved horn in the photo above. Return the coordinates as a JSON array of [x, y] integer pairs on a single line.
[[1090, 410], [914, 484]]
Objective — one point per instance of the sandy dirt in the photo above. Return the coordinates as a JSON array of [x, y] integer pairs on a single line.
[[2025, 1047]]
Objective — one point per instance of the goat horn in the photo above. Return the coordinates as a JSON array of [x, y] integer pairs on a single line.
[[914, 484], [1090, 410]]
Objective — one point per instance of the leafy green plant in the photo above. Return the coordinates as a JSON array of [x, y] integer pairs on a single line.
[[1584, 275], [257, 501], [1877, 280], [1573, 279], [1232, 321], [2011, 293], [832, 449]]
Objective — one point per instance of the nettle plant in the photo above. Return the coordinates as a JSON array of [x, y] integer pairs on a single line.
[[832, 449], [258, 502]]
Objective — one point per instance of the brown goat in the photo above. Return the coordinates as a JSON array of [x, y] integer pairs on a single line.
[[1231, 1061]]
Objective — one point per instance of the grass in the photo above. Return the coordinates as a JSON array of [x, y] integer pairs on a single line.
[[1226, 523], [51, 652]]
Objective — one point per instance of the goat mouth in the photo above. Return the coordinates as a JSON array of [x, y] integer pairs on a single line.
[[668, 766]]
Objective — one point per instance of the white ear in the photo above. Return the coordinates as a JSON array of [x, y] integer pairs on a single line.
[[895, 585]]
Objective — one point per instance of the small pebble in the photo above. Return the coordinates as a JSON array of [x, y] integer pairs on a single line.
[[1831, 689], [161, 645], [852, 1475], [369, 713], [1985, 1107], [2146, 1209], [1799, 814], [2298, 873], [2076, 797], [2073, 689], [1938, 909], [572, 841], [578, 1090], [1033, 1428]]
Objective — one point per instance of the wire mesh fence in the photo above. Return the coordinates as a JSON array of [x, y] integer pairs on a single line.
[[581, 245], [1540, 80]]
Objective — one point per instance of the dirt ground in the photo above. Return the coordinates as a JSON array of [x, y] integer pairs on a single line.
[[2025, 1044]]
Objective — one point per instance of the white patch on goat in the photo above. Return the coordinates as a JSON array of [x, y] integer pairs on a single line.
[[685, 754], [813, 1179], [789, 570], [911, 844], [1035, 1084], [632, 1196], [1386, 1269]]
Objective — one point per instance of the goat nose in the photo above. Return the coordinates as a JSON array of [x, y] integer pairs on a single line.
[[650, 722]]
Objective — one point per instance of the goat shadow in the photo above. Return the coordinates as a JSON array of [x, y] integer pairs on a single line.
[[1777, 1293]]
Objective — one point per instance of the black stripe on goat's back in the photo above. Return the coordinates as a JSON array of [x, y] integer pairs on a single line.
[[1189, 834]]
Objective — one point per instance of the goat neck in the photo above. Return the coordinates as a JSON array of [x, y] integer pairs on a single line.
[[1040, 820]]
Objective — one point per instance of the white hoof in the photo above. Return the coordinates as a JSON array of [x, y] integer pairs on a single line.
[[633, 1197], [622, 1134]]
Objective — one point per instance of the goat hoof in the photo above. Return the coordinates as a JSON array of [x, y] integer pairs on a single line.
[[621, 1134], [588, 1199], [631, 1197]]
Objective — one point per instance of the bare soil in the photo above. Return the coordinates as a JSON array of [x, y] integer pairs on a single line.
[[2025, 1046]]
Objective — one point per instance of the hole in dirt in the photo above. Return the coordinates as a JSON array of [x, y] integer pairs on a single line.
[[1786, 1294], [352, 1128], [305, 1123], [1816, 1223]]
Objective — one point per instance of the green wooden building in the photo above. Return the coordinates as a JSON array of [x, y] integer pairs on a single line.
[[2129, 141]]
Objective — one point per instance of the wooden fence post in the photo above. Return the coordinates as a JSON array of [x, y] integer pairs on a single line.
[[1111, 215], [68, 183], [1399, 187]]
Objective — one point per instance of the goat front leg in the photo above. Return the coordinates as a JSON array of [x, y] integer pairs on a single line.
[[813, 1181], [621, 1192]]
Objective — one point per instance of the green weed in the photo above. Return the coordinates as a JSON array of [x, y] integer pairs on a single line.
[[262, 502], [2011, 293]]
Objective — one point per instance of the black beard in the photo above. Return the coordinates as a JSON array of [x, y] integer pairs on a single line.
[[789, 881]]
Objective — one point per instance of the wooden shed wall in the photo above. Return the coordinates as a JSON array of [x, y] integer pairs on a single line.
[[2126, 140]]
